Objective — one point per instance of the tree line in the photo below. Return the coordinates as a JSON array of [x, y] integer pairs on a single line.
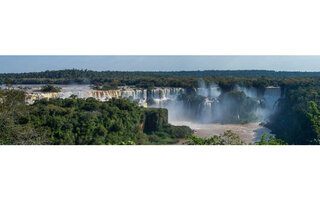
[[112, 79]]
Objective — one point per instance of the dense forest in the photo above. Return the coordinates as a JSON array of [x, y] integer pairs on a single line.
[[83, 121], [297, 120]]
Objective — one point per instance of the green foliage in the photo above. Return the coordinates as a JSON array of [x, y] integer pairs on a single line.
[[88, 121], [113, 85], [128, 143], [159, 131], [155, 119], [15, 126], [50, 88], [169, 134], [8, 82], [267, 139], [228, 138], [313, 116]]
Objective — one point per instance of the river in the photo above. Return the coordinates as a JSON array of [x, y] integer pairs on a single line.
[[249, 133]]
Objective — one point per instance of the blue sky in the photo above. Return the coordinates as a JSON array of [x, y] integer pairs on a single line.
[[158, 63]]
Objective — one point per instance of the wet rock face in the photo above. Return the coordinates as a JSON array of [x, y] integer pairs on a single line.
[[237, 107]]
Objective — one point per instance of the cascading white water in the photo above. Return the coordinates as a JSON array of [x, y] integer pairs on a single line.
[[207, 111], [159, 95], [271, 96], [250, 92], [211, 94], [269, 99]]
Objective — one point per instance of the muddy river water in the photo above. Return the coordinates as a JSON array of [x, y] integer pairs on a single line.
[[249, 133]]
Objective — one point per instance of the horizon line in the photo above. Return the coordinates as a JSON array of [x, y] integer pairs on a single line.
[[166, 71]]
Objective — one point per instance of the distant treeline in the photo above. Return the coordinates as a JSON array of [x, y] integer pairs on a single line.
[[226, 79], [90, 75]]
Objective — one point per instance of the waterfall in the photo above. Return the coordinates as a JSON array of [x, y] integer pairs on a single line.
[[269, 101], [271, 96], [163, 96], [250, 92], [160, 95], [204, 108]]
